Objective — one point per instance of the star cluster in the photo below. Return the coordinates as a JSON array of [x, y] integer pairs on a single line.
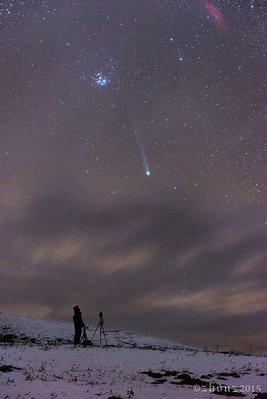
[[133, 159], [101, 80]]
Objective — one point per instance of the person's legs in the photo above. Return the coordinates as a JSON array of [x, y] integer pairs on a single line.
[[77, 336]]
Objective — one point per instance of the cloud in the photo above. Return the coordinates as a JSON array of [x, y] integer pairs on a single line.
[[138, 261]]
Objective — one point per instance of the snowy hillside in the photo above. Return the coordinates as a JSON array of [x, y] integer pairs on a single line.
[[38, 360]]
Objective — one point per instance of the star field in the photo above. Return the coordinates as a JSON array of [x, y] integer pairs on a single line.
[[133, 158]]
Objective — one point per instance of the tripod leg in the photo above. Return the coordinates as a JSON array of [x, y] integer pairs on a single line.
[[103, 331], [95, 331]]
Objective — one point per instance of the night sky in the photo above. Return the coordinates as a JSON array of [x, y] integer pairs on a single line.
[[132, 165]]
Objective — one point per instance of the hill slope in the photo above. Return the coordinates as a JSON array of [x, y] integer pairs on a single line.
[[42, 363]]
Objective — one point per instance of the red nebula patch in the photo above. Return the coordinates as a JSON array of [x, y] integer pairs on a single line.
[[215, 13]]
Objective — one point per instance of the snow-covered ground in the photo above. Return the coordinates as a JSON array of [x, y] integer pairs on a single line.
[[43, 363]]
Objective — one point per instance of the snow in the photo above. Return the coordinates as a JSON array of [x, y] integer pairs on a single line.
[[51, 368]]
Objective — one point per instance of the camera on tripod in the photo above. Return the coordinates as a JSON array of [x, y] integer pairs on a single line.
[[100, 326]]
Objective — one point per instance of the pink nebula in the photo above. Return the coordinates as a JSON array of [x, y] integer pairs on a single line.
[[216, 14]]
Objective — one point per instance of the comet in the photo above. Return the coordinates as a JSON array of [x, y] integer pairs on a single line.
[[145, 162]]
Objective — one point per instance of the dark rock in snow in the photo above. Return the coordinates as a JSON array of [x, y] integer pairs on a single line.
[[152, 374], [8, 369], [183, 376]]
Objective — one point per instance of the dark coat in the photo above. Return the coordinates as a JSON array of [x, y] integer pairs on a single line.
[[78, 321]]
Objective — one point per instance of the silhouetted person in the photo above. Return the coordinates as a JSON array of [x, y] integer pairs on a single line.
[[78, 324]]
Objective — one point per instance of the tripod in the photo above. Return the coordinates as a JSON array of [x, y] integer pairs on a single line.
[[100, 326]]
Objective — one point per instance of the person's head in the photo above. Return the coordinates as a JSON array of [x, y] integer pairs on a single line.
[[76, 309]]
